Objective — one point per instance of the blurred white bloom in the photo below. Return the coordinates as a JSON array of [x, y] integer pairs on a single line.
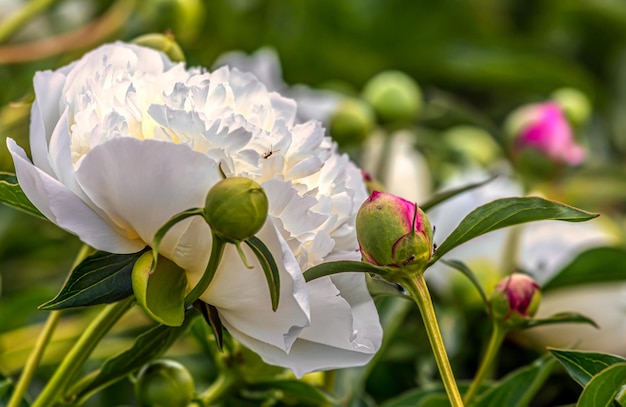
[[123, 139], [313, 104]]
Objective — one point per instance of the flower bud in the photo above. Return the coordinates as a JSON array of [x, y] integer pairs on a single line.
[[515, 299], [393, 232], [236, 208], [574, 104], [164, 383], [351, 122], [394, 95], [164, 43], [543, 129]]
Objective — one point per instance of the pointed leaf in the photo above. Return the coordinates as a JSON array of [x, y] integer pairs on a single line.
[[100, 278], [561, 318], [506, 212], [445, 195], [519, 387], [212, 317], [161, 292], [148, 346], [581, 365], [269, 266], [11, 194], [600, 264], [604, 387], [462, 267], [344, 266]]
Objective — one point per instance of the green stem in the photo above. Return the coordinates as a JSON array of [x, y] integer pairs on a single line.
[[419, 292], [497, 336], [224, 383], [18, 19], [42, 342], [217, 250], [77, 356], [34, 358]]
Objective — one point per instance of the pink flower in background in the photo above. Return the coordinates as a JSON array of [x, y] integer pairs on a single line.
[[543, 127]]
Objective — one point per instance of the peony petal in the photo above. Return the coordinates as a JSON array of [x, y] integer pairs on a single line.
[[64, 208], [44, 115], [140, 184], [337, 338], [242, 296]]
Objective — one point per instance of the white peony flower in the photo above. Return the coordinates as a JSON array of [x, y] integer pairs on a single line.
[[123, 139]]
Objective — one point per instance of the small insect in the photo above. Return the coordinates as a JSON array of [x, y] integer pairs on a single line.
[[269, 153]]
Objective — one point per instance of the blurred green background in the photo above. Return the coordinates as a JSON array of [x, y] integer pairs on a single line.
[[488, 55]]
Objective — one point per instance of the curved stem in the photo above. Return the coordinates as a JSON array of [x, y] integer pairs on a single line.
[[497, 336], [34, 358], [18, 19], [77, 356], [217, 250], [418, 290], [220, 387], [42, 342]]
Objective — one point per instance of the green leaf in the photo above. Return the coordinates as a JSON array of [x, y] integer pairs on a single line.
[[269, 266], [100, 278], [506, 212], [519, 387], [581, 365], [298, 391], [345, 266], [212, 318], [379, 287], [561, 318], [445, 195], [11, 194], [604, 386], [148, 346], [600, 264], [460, 266], [161, 293]]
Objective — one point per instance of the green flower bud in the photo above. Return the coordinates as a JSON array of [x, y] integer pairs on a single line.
[[394, 95], [394, 232], [164, 43], [515, 299], [236, 209], [574, 104], [164, 383], [352, 122]]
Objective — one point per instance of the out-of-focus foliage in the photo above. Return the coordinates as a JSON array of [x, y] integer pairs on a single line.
[[475, 60]]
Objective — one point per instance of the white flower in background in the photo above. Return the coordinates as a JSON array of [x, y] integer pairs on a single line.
[[123, 139], [313, 104], [544, 249]]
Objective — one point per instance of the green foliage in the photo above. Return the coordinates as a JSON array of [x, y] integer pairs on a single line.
[[507, 212], [11, 194], [270, 269], [101, 278], [604, 387], [582, 365]]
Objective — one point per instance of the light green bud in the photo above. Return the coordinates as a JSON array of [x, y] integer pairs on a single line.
[[164, 383], [236, 208], [395, 96], [164, 43], [352, 122]]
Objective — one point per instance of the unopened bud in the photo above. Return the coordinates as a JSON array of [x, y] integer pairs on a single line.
[[236, 208], [395, 96], [393, 232], [352, 122], [164, 43], [515, 299], [164, 383]]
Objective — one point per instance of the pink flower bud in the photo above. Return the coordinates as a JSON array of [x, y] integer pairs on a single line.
[[393, 232], [516, 298], [544, 128]]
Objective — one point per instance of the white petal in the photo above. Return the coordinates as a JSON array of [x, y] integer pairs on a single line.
[[141, 184], [44, 115], [338, 337], [242, 296], [65, 209]]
